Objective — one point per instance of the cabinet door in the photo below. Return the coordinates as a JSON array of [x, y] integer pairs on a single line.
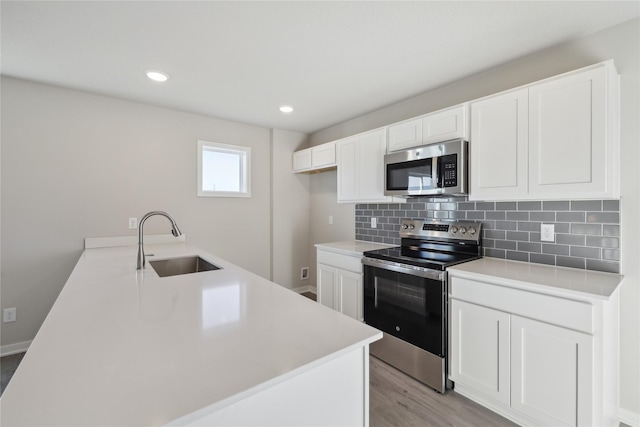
[[499, 147], [370, 165], [350, 294], [302, 160], [551, 373], [347, 173], [327, 281], [444, 125], [405, 135], [567, 136], [323, 156], [479, 354]]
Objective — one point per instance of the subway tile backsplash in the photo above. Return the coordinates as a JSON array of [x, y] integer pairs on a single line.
[[587, 231]]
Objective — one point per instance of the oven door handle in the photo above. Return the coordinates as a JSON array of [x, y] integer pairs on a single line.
[[405, 269]]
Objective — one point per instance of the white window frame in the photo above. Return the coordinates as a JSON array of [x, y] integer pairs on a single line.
[[245, 168]]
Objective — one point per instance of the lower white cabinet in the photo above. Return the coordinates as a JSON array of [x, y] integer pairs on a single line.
[[552, 375], [537, 357], [480, 349], [340, 283]]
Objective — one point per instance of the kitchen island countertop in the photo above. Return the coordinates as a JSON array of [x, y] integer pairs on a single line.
[[127, 347]]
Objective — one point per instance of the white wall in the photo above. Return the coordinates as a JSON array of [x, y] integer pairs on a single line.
[[620, 43], [78, 165], [324, 204], [290, 207]]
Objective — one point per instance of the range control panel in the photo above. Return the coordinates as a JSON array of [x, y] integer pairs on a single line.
[[444, 230]]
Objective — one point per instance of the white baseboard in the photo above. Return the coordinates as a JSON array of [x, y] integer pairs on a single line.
[[20, 347], [629, 418]]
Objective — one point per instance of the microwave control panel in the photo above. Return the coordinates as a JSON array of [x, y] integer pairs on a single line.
[[449, 170]]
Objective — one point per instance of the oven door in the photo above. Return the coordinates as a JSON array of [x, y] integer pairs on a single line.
[[406, 302]]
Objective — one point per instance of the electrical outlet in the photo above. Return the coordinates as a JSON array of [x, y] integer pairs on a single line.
[[304, 273], [547, 233], [374, 222], [9, 315], [133, 223], [330, 219]]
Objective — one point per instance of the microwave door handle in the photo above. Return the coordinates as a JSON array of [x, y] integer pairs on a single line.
[[435, 171]]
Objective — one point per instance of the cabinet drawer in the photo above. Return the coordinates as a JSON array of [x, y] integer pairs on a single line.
[[344, 262], [568, 313]]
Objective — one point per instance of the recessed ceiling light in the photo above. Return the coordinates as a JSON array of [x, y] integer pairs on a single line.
[[157, 76], [286, 108]]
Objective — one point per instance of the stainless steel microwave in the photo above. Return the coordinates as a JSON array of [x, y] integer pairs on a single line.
[[440, 168]]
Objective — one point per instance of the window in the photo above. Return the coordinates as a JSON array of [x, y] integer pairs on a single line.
[[223, 170]]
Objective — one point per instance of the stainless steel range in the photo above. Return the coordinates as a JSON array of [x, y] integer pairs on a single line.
[[405, 295]]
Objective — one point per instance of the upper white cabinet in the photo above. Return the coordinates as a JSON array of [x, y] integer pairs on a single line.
[[439, 126], [361, 167], [499, 135], [315, 158], [572, 149], [555, 139], [302, 160]]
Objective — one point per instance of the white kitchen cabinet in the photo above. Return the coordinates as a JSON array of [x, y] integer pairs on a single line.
[[361, 167], [571, 135], [340, 290], [499, 135], [445, 124], [315, 158], [531, 348], [480, 349], [438, 126], [302, 160], [554, 139], [323, 156], [405, 135], [551, 373], [327, 280], [340, 283]]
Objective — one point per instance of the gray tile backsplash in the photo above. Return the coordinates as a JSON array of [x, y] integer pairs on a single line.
[[587, 231]]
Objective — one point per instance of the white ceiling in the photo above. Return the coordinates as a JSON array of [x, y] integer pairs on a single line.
[[241, 60]]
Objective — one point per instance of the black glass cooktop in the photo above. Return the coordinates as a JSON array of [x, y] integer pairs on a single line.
[[436, 260]]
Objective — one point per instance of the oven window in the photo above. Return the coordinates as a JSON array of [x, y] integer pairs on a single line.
[[414, 175], [406, 306]]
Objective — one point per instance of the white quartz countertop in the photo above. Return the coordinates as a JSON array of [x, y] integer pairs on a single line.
[[352, 247], [127, 348], [542, 278]]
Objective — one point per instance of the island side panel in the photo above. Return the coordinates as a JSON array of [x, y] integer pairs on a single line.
[[332, 394]]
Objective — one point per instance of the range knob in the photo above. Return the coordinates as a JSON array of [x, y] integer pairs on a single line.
[[405, 226], [472, 231], [411, 227], [454, 229], [463, 230]]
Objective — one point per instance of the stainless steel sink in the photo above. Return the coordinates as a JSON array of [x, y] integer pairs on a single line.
[[184, 265]]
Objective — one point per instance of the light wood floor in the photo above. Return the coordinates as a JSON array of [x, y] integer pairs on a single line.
[[397, 400]]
